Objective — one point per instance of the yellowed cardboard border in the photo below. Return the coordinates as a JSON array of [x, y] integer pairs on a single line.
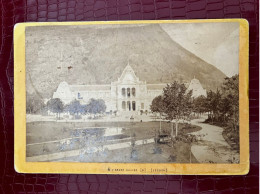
[[136, 168]]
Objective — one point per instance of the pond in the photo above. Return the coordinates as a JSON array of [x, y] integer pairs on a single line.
[[107, 133]]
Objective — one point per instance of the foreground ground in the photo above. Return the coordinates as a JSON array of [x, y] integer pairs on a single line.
[[56, 141], [103, 141]]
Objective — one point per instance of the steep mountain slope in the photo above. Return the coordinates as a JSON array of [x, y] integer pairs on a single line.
[[85, 55]]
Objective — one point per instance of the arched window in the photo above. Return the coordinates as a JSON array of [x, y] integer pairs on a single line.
[[133, 105], [128, 92], [129, 105], [123, 105], [123, 92], [133, 92], [79, 96]]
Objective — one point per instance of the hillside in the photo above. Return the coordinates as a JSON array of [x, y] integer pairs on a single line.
[[84, 55]]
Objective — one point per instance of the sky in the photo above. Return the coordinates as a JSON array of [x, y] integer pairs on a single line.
[[215, 43]]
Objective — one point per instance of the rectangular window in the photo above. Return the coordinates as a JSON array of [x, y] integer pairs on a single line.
[[142, 105]]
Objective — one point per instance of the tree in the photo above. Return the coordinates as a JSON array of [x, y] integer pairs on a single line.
[[55, 105], [188, 102], [199, 105], [75, 108], [223, 105], [158, 106], [230, 90], [177, 102], [96, 106], [213, 104], [209, 104], [34, 103], [216, 104]]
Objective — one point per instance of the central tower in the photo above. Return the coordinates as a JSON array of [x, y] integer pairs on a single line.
[[130, 91]]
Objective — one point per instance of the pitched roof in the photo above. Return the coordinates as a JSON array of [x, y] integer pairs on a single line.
[[197, 89]]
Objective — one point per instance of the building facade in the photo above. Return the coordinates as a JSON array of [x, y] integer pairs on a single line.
[[127, 94]]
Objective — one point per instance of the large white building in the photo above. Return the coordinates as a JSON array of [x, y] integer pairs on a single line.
[[128, 93]]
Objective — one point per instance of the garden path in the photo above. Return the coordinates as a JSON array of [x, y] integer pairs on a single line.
[[212, 147]]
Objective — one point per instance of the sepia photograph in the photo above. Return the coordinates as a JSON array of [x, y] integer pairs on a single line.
[[133, 93]]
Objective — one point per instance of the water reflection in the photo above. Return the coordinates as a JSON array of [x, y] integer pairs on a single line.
[[101, 133]]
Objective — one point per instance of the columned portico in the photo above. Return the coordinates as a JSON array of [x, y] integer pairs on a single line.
[[128, 94]]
